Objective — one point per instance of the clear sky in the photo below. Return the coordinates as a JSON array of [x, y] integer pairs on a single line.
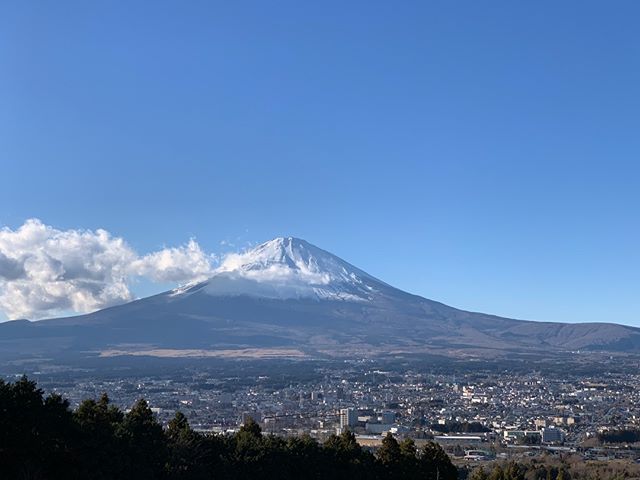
[[483, 154]]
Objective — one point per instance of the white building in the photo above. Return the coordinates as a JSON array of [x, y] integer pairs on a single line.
[[378, 428], [348, 418]]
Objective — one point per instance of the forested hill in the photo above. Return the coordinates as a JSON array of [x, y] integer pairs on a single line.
[[42, 438]]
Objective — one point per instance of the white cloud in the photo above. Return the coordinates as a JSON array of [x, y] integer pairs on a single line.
[[185, 263], [45, 271]]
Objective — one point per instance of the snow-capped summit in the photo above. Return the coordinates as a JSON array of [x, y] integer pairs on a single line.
[[289, 267]]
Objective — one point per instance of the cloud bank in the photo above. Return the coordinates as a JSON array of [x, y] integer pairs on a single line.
[[45, 271]]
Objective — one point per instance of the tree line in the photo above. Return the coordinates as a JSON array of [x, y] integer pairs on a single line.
[[459, 427], [42, 438], [620, 436], [516, 471]]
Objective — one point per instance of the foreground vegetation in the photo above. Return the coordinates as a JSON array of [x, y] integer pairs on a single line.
[[571, 467], [42, 438]]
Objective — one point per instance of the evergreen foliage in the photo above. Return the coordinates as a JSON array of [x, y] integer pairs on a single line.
[[42, 438]]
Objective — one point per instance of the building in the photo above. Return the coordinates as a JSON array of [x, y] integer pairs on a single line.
[[541, 423], [457, 439], [552, 435], [348, 418], [388, 417], [378, 428], [520, 435]]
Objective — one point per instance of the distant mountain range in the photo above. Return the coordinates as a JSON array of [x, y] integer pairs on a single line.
[[290, 298]]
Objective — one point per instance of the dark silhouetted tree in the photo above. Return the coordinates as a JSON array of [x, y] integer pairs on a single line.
[[435, 464], [389, 453], [145, 443], [98, 422], [479, 474], [497, 473]]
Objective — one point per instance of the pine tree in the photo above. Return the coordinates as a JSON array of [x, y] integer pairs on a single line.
[[145, 442], [187, 450], [389, 453], [497, 473], [251, 428], [435, 464], [479, 474], [514, 472], [409, 468]]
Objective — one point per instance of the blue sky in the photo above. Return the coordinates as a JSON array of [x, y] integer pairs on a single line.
[[484, 154]]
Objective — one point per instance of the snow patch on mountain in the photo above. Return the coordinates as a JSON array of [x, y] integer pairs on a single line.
[[288, 268]]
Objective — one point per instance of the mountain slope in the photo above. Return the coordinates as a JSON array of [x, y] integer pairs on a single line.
[[288, 294]]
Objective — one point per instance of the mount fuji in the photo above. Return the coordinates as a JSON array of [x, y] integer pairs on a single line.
[[290, 268], [289, 298]]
